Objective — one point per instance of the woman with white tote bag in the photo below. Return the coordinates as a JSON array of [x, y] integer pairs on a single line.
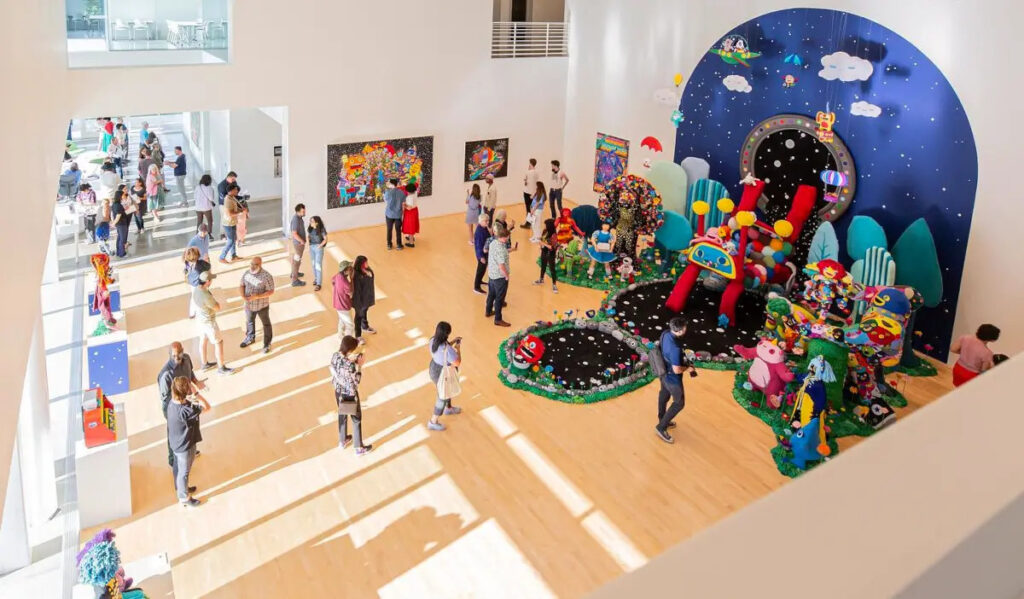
[[445, 359]]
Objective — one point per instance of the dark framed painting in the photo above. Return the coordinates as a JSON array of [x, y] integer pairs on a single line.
[[357, 172], [486, 157]]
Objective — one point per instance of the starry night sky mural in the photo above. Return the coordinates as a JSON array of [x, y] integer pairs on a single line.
[[900, 118]]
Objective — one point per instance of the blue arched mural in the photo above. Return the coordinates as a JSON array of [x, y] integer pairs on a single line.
[[902, 121]]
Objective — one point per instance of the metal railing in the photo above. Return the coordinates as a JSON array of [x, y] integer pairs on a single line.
[[529, 40]]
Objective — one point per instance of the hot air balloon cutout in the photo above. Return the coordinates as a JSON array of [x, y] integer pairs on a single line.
[[651, 143], [734, 49], [833, 179]]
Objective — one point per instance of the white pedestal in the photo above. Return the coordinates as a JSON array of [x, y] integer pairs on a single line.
[[103, 478]]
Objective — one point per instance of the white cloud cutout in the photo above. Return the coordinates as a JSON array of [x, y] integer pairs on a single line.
[[667, 96], [844, 67], [867, 109], [737, 83]]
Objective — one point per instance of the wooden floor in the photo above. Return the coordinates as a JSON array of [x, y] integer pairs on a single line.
[[520, 497]]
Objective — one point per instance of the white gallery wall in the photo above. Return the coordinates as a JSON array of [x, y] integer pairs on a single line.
[[621, 51], [253, 137]]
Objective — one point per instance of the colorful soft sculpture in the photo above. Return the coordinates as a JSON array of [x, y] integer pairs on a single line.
[[528, 352], [768, 372], [808, 444], [812, 398]]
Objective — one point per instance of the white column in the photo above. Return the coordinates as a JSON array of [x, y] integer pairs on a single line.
[[15, 552], [34, 437]]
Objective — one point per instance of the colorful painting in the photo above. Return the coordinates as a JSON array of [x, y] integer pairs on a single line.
[[486, 157], [358, 172], [611, 160]]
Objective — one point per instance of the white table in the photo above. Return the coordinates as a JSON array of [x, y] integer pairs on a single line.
[[182, 33]]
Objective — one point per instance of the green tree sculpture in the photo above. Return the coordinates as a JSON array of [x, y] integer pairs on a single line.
[[917, 265]]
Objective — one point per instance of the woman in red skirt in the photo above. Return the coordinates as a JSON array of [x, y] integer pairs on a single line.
[[410, 216], [975, 356]]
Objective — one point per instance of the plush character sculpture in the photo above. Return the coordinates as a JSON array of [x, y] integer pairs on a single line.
[[768, 372], [808, 444], [566, 227], [528, 352], [812, 398], [625, 269]]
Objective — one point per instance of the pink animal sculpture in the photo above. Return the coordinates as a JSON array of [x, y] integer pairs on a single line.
[[768, 372]]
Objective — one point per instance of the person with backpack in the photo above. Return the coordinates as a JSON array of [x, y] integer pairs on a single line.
[[668, 362]]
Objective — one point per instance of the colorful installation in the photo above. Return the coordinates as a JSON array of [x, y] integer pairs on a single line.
[[894, 112], [99, 565], [708, 192], [101, 298], [633, 208], [734, 49], [610, 161], [487, 157], [357, 172], [671, 183]]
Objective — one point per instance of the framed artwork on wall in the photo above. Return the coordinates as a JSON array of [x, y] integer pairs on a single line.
[[486, 157], [357, 172], [611, 159]]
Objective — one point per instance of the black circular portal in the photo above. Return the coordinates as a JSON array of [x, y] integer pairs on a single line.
[[785, 152], [580, 356], [645, 308]]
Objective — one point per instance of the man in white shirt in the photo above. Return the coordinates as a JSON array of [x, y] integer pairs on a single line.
[[529, 188], [490, 198], [559, 181]]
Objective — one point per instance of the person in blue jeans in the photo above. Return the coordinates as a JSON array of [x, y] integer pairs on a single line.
[[672, 382], [230, 211], [498, 270], [316, 236]]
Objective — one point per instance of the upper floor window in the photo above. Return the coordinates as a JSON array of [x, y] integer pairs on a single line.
[[529, 28], [107, 33]]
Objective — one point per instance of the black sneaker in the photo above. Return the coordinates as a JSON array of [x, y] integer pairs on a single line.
[[246, 343], [409, 245], [191, 502], [209, 365], [302, 274], [401, 247], [298, 283], [192, 490], [225, 370], [365, 449], [664, 436], [479, 291], [879, 415], [266, 349]]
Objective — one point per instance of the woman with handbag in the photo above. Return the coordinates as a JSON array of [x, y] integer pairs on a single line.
[[445, 359], [346, 372]]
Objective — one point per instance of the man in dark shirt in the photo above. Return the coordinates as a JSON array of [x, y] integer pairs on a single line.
[[297, 235], [672, 382], [178, 364], [179, 164], [183, 434]]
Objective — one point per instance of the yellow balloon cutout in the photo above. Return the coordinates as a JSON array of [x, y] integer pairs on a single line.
[[745, 218], [679, 79]]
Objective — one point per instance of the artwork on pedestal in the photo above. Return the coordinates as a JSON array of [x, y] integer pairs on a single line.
[[486, 157], [357, 172], [610, 161]]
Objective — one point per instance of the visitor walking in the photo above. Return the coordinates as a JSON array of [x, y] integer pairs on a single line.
[[498, 270], [145, 161], [316, 235], [480, 239], [443, 353], [672, 381], [143, 133], [975, 355], [411, 215], [119, 220], [346, 372], [204, 202], [536, 218], [222, 192], [342, 283], [363, 295], [229, 216], [180, 171], [103, 225], [393, 201], [139, 199], [256, 287], [548, 251], [201, 241], [195, 265], [179, 364], [108, 181], [297, 236], [154, 191], [529, 188], [206, 307], [559, 181], [472, 210], [183, 435], [490, 203]]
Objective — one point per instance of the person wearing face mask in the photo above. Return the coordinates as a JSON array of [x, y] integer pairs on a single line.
[[178, 364]]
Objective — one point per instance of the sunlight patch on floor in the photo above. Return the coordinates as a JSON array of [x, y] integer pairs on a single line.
[[484, 562], [397, 389]]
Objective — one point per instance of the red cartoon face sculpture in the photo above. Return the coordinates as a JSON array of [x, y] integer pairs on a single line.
[[529, 352]]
